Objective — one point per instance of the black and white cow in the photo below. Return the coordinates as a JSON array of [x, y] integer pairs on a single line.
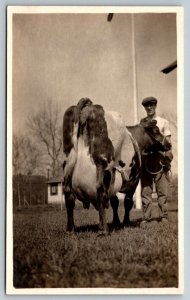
[[102, 159]]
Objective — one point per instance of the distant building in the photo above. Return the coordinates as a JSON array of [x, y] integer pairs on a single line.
[[55, 191]]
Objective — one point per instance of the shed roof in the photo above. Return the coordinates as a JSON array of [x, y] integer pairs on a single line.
[[55, 180]]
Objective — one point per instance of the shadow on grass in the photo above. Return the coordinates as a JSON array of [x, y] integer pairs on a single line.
[[111, 228]]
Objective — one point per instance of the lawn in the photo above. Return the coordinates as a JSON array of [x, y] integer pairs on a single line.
[[45, 255]]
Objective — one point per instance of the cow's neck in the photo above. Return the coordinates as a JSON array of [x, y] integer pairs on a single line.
[[142, 138]]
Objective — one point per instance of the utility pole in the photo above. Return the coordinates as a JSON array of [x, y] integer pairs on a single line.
[[109, 19], [18, 189], [134, 69], [138, 201]]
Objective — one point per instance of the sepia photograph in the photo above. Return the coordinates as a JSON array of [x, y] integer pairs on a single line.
[[94, 150]]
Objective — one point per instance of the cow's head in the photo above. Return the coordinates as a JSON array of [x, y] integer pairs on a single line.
[[156, 141]]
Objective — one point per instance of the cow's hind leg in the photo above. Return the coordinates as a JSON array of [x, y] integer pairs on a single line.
[[128, 204], [115, 204], [101, 198], [103, 184], [70, 204]]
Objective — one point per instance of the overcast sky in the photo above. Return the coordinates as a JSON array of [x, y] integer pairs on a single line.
[[64, 57]]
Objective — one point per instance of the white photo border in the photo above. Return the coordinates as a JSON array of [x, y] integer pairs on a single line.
[[180, 120]]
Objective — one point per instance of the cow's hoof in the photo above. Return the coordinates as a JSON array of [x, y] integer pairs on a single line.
[[126, 223], [70, 228], [116, 224], [103, 230], [164, 220], [143, 224], [154, 223], [103, 233]]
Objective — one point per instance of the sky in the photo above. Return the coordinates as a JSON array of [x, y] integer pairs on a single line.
[[64, 57]]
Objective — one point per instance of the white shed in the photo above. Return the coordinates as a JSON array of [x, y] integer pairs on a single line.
[[55, 191]]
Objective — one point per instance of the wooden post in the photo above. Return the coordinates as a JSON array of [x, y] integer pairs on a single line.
[[61, 194], [45, 186], [25, 201]]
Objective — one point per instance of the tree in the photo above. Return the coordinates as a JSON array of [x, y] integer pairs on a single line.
[[17, 164], [25, 155], [26, 160], [46, 129]]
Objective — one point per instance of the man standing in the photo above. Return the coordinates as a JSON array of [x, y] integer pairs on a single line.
[[159, 178]]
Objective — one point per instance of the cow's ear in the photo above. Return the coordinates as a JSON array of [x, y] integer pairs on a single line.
[[144, 122], [148, 124]]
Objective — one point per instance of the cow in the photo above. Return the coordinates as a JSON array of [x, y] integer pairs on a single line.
[[100, 155], [102, 159], [148, 139]]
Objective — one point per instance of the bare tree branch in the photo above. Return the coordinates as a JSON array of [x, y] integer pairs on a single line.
[[25, 155], [45, 127]]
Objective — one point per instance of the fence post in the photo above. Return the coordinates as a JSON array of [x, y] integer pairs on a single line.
[[61, 194]]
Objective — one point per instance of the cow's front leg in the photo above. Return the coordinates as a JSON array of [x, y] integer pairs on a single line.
[[103, 184], [70, 204], [115, 204]]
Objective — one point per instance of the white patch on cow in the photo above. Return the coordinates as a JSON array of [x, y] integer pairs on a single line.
[[116, 131], [121, 139], [135, 143], [84, 179], [84, 175], [70, 163], [74, 136], [116, 186]]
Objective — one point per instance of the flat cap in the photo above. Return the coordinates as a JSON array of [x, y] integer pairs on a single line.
[[149, 100]]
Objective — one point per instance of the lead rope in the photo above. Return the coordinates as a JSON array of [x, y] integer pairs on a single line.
[[154, 192]]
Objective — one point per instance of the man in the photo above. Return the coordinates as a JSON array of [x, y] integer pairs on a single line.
[[159, 178]]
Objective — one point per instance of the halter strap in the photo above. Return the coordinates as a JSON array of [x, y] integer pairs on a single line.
[[154, 173]]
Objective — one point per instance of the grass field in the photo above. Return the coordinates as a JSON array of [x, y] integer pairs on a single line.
[[45, 255]]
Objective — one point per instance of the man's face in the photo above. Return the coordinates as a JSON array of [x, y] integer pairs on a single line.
[[150, 109]]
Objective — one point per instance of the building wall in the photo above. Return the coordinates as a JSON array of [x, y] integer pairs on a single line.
[[55, 199]]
